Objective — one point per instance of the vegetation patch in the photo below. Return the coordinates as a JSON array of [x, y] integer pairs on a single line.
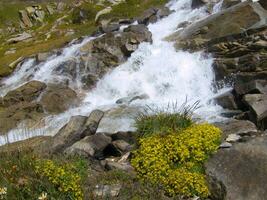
[[26, 176], [175, 157]]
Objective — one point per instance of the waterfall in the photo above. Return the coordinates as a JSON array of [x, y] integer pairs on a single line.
[[156, 69]]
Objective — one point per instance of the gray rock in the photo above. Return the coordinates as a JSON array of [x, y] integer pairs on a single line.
[[25, 18], [120, 119], [238, 127], [58, 98], [239, 173], [90, 146], [111, 27], [234, 20], [163, 12], [92, 122], [226, 100], [68, 134], [229, 3], [257, 104], [20, 37], [225, 145], [252, 87], [149, 16], [107, 191], [41, 57], [25, 93], [233, 138], [130, 99], [122, 146]]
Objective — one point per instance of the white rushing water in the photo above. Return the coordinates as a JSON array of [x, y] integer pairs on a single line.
[[156, 69]]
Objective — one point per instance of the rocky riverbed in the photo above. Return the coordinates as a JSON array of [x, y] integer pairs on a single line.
[[58, 102]]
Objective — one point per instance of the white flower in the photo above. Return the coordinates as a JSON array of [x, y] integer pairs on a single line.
[[43, 196], [3, 191]]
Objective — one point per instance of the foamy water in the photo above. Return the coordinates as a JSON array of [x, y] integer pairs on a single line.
[[156, 69]]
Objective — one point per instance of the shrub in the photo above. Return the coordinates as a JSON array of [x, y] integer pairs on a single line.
[[175, 159]]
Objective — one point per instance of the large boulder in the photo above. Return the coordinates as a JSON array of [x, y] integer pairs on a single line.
[[58, 98], [234, 20], [226, 100], [25, 93], [68, 134], [257, 104], [239, 172], [91, 146]]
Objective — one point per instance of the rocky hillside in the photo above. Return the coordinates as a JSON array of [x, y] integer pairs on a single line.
[[129, 150]]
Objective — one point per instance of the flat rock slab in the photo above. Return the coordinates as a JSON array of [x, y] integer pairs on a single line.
[[119, 119], [239, 172]]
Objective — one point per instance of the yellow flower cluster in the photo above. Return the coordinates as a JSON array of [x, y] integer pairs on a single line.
[[175, 160], [63, 177]]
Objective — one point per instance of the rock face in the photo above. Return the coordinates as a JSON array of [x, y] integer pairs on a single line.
[[239, 172], [234, 20], [112, 49]]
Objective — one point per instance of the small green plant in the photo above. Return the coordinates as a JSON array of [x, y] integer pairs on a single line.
[[175, 160], [172, 118]]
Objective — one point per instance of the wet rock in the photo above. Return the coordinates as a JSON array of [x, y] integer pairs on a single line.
[[263, 4], [120, 119], [226, 100], [68, 134], [90, 146], [25, 93], [149, 16], [92, 122], [130, 99], [231, 113], [110, 50], [58, 98], [41, 57], [229, 3], [258, 108], [197, 3], [239, 172], [238, 127], [252, 87], [20, 37], [163, 12], [13, 115], [67, 68], [111, 27], [107, 191], [235, 20]]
